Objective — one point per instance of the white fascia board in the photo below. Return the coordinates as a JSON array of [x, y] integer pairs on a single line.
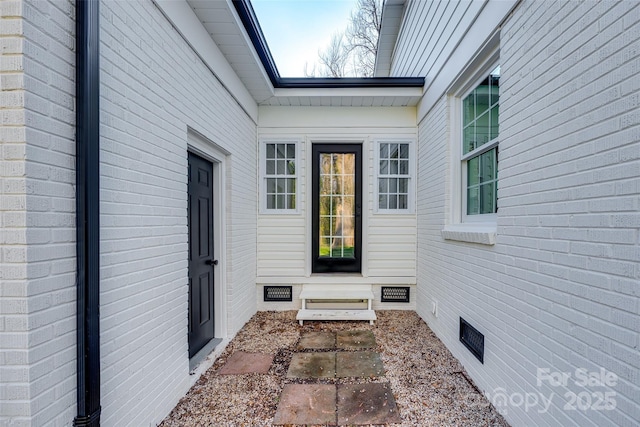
[[350, 91], [185, 21], [479, 38]]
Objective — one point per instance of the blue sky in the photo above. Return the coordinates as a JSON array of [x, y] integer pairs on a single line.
[[296, 29]]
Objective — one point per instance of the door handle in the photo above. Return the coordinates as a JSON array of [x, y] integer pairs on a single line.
[[211, 262]]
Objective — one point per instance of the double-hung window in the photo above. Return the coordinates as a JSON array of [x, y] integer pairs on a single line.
[[394, 168], [279, 177], [480, 133]]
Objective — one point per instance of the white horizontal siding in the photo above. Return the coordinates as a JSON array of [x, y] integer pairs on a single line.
[[439, 39], [284, 241], [282, 245], [429, 33], [391, 245]]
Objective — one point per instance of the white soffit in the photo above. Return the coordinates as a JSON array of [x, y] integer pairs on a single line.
[[222, 23], [347, 97], [181, 15]]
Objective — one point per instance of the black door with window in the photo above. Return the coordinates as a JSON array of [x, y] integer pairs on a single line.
[[201, 256], [337, 206]]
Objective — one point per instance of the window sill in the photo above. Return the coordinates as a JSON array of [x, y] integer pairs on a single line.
[[279, 212], [394, 212], [484, 234]]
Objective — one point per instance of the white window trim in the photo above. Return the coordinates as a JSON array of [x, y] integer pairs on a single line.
[[481, 228], [263, 177], [202, 146], [480, 218], [412, 174]]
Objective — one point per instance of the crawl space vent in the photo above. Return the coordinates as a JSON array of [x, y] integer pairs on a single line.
[[277, 293], [472, 339], [394, 294]]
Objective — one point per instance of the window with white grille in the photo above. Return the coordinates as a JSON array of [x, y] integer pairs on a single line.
[[280, 177], [394, 168]]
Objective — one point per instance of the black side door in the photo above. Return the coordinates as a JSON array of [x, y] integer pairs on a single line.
[[201, 256]]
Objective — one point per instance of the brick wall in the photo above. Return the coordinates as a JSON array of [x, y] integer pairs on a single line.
[[37, 213], [153, 88], [559, 290], [14, 333]]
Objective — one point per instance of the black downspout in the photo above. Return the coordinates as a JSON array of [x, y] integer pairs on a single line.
[[87, 212]]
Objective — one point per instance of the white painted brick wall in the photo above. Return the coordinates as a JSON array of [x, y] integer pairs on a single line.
[[559, 290], [153, 88], [37, 214], [14, 388]]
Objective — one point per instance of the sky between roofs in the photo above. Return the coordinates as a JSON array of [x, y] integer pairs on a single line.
[[296, 30]]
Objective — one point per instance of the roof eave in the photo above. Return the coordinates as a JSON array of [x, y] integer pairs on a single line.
[[350, 82], [250, 22], [392, 12]]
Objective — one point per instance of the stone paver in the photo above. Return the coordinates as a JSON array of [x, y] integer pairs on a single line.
[[312, 365], [307, 404], [355, 340], [358, 364], [356, 404], [247, 363], [371, 403], [317, 340]]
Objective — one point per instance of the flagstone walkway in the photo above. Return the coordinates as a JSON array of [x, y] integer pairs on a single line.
[[322, 356], [342, 404]]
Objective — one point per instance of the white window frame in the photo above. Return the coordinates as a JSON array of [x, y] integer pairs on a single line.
[[480, 218], [479, 228], [411, 176], [264, 176]]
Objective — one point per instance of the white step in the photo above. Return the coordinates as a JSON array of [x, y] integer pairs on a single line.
[[337, 293], [326, 314]]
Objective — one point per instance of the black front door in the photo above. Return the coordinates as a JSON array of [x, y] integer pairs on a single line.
[[201, 256], [337, 205]]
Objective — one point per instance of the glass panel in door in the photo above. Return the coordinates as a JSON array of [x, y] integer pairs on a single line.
[[337, 205], [337, 189]]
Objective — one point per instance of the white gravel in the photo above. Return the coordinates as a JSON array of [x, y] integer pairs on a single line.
[[429, 385]]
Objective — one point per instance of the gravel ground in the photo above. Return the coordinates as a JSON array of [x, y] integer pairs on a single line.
[[430, 386]]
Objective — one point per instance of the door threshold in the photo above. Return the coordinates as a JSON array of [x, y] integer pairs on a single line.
[[203, 353], [336, 274]]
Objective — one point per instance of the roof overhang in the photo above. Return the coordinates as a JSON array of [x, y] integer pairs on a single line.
[[234, 28], [392, 12]]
